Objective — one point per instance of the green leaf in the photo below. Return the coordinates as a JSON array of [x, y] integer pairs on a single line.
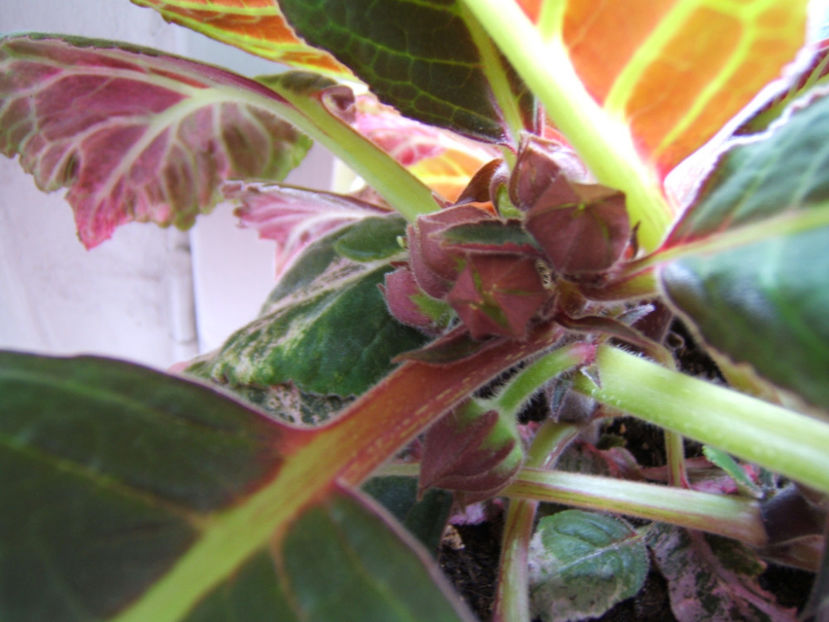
[[712, 578], [326, 328], [752, 266], [581, 564], [343, 561], [107, 471], [425, 518], [131, 495], [765, 304], [374, 239], [433, 73]]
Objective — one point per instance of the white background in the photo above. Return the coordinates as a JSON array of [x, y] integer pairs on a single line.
[[149, 295]]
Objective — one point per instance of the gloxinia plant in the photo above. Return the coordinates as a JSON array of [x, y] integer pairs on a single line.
[[549, 187]]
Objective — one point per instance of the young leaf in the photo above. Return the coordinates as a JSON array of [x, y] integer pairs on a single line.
[[256, 26], [712, 578], [752, 255], [434, 73], [582, 563], [133, 133]]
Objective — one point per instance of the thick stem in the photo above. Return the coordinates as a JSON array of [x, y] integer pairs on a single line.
[[604, 143], [778, 439], [733, 517]]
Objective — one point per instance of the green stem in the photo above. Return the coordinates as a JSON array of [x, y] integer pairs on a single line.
[[729, 516], [604, 143], [496, 75], [512, 594], [776, 438], [526, 382], [725, 515], [402, 190]]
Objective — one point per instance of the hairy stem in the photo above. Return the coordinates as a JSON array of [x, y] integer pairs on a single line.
[[756, 431]]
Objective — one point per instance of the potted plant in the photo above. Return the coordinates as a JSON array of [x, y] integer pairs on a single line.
[[553, 192]]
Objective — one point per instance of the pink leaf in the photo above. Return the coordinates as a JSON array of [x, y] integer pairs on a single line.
[[294, 217], [712, 578], [134, 134]]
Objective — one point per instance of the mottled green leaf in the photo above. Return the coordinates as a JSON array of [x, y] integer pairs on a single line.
[[418, 56], [712, 578], [424, 517], [752, 266], [582, 563], [326, 329]]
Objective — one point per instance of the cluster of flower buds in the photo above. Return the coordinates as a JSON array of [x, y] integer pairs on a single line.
[[496, 268]]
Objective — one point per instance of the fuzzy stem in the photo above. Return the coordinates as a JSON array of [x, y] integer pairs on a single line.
[[603, 142], [512, 595], [729, 516], [778, 439], [526, 382]]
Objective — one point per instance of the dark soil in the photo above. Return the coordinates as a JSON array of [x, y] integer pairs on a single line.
[[471, 561]]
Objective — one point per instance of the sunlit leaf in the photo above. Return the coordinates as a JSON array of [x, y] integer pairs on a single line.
[[256, 26], [581, 564], [676, 70], [753, 255], [134, 134]]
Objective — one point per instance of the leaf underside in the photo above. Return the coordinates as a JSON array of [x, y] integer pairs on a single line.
[[134, 134], [677, 70]]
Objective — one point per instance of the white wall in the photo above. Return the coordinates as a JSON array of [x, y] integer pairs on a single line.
[[137, 296]]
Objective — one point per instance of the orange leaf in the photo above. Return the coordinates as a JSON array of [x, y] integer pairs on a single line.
[[256, 26], [677, 70]]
